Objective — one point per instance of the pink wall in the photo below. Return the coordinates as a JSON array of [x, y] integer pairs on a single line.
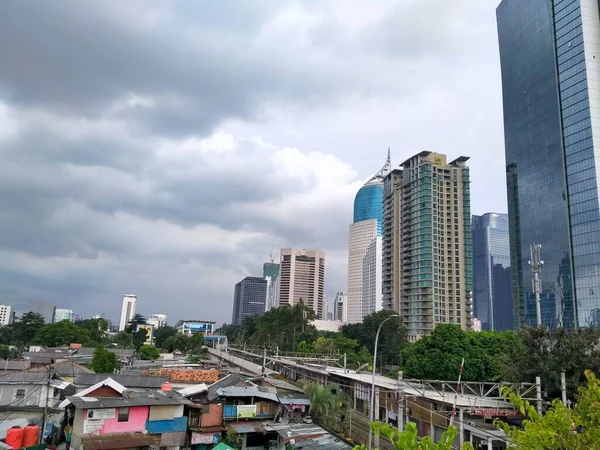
[[214, 416], [137, 421]]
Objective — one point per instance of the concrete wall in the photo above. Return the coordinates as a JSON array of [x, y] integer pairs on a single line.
[[212, 415], [34, 395], [137, 421]]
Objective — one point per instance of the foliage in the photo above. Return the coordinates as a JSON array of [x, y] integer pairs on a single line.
[[27, 327], [391, 338], [179, 342], [409, 440], [61, 333], [196, 344], [139, 338], [104, 361], [561, 428], [544, 352], [438, 356], [163, 333], [136, 320], [233, 440], [149, 353], [324, 403], [97, 329], [6, 353], [123, 339]]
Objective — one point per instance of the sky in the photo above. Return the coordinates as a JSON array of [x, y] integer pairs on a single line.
[[164, 148]]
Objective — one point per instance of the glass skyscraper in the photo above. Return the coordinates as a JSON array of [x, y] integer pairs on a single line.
[[492, 296], [550, 58]]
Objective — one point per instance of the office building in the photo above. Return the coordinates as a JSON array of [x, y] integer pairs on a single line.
[[302, 277], [46, 309], [189, 327], [340, 307], [249, 298], [364, 249], [271, 273], [431, 238], [6, 315], [550, 61], [64, 314], [492, 295], [390, 278], [475, 324], [158, 320], [127, 310]]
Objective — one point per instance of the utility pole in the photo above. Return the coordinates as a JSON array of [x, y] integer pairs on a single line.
[[45, 418], [563, 388], [536, 267], [400, 394]]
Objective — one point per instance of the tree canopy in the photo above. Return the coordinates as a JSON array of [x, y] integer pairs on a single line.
[[104, 361], [149, 353], [136, 320], [161, 334], [62, 333]]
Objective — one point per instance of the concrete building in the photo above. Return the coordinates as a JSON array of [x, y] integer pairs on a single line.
[[550, 61], [127, 310], [390, 278], [302, 277], [271, 274], [340, 307], [158, 320], [364, 249], [46, 309], [64, 314], [6, 315], [430, 237], [190, 327], [492, 295], [475, 324], [249, 299]]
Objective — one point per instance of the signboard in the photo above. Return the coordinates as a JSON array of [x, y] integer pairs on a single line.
[[92, 426], [493, 412], [246, 411], [205, 438], [109, 413]]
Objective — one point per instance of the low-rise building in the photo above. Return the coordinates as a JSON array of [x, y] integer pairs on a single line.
[[61, 314], [6, 315], [190, 327], [158, 320]]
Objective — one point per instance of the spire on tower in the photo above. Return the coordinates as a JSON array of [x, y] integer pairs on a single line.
[[379, 176]]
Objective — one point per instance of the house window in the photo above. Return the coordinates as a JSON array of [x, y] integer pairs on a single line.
[[123, 415], [20, 394]]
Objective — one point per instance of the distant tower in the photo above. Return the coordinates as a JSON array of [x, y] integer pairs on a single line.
[[364, 252], [127, 310]]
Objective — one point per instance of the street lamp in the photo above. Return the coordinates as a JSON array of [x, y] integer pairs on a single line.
[[372, 405]]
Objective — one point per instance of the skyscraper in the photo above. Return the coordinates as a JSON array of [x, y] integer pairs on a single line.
[[46, 309], [302, 277], [390, 277], [364, 250], [127, 310], [492, 295], [271, 273], [6, 315], [64, 314], [340, 305], [550, 58], [428, 239], [249, 299]]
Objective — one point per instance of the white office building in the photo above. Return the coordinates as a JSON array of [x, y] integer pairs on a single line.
[[6, 315], [64, 314], [127, 310], [340, 307], [158, 320]]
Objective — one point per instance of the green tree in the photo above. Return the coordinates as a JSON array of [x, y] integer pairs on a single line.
[[7, 353], [139, 338], [161, 334], [27, 327], [233, 440], [97, 329], [324, 403], [179, 342], [149, 353], [136, 320], [123, 339], [61, 333], [560, 428], [196, 344], [438, 355], [104, 361]]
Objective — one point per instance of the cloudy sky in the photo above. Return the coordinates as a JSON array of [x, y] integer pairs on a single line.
[[163, 148]]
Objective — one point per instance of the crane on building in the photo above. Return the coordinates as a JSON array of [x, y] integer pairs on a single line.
[[272, 255]]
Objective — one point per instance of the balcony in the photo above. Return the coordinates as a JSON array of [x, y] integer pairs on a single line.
[[257, 411]]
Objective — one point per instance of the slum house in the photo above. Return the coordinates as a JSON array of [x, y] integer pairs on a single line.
[[107, 415], [294, 404], [13, 365], [65, 370], [130, 380]]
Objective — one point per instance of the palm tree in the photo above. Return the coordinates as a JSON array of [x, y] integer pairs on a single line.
[[324, 403]]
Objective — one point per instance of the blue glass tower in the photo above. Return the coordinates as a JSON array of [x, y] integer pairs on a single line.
[[551, 95], [368, 203]]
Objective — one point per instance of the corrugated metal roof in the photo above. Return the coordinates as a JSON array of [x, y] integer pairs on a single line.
[[24, 377], [127, 380], [247, 391], [193, 390], [14, 365], [153, 398], [246, 427], [118, 440]]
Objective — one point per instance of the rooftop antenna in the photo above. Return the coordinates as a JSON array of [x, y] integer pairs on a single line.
[[387, 167]]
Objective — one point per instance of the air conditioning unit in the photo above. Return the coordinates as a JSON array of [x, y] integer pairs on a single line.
[[470, 423]]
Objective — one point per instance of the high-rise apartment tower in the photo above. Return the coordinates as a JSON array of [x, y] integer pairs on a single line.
[[429, 237], [550, 59], [127, 310], [271, 273], [302, 277], [249, 299]]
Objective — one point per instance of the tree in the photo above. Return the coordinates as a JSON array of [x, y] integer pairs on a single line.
[[438, 355], [179, 342], [139, 338], [104, 361], [324, 403], [61, 333], [233, 440], [136, 320], [149, 353], [196, 344], [123, 339], [6, 353], [97, 329], [409, 440], [561, 428], [161, 334], [28, 326]]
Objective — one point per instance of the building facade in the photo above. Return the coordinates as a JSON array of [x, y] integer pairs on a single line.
[[549, 51], [430, 241], [64, 314], [340, 307], [390, 279], [189, 327], [271, 273], [364, 249], [127, 310], [46, 309], [158, 320], [492, 294], [302, 277], [6, 315], [249, 298]]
